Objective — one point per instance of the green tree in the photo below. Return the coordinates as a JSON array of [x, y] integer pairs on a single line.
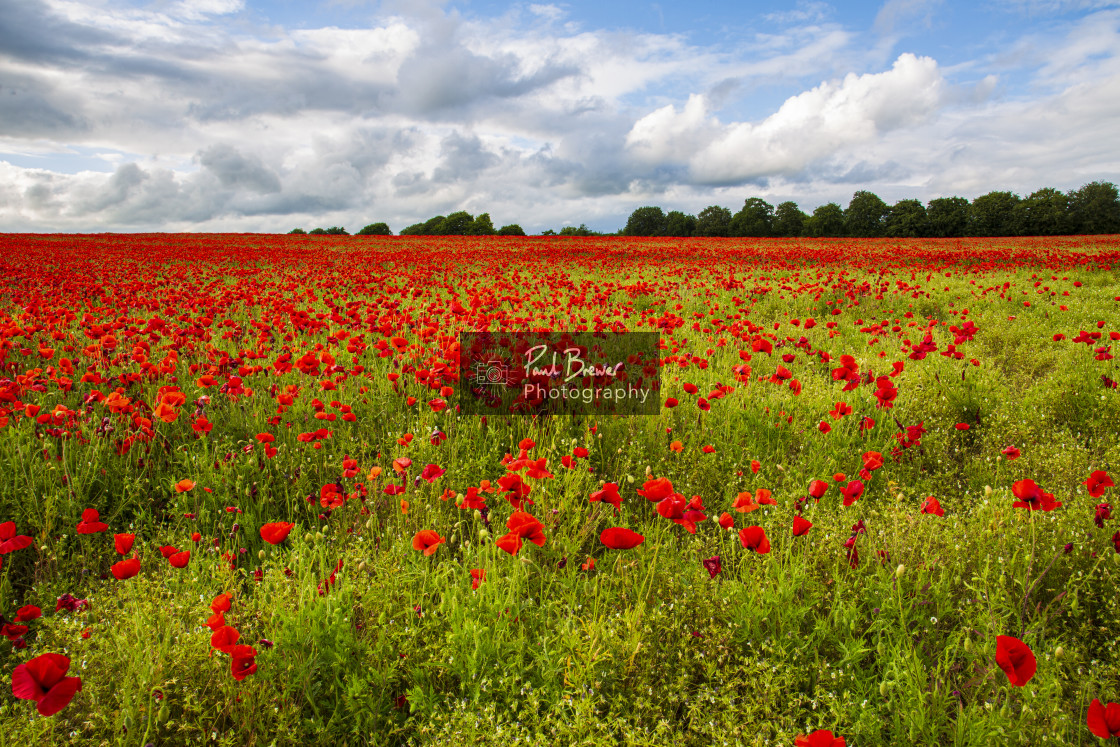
[[947, 217], [826, 220], [994, 214], [416, 229], [865, 215], [646, 221], [713, 221], [548, 232], [756, 218], [431, 226], [482, 226], [511, 230], [1095, 208], [375, 229], [679, 224], [456, 224], [298, 230], [789, 220], [1046, 212], [906, 219], [583, 230], [318, 232]]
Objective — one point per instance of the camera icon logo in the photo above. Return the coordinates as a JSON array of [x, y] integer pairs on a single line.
[[491, 373]]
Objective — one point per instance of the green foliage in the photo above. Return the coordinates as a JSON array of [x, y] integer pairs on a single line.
[[826, 220], [713, 221], [482, 226], [906, 218], [995, 214], [511, 230], [1095, 208], [947, 216], [375, 229], [755, 218], [789, 220], [582, 230], [865, 215], [679, 224], [646, 221], [297, 231]]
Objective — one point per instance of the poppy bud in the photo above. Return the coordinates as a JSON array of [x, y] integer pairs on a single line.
[[900, 570], [1058, 652], [318, 536], [968, 644], [884, 688], [260, 554], [630, 479], [987, 490], [309, 538], [483, 534]]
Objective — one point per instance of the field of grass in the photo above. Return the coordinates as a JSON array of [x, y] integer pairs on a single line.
[[192, 389]]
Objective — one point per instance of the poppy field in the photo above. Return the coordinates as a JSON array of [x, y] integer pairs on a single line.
[[241, 503]]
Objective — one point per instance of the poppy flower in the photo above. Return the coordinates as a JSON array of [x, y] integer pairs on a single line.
[[43, 679], [852, 492], [763, 497], [126, 569], [656, 490], [168, 550], [620, 538], [243, 661], [427, 541], [713, 566], [431, 472], [817, 488], [27, 613], [180, 559], [589, 565], [221, 603], [819, 738], [801, 526], [91, 522], [1032, 497], [754, 538], [755, 466], [1104, 721], [727, 521], [123, 543], [184, 486], [224, 638], [607, 494], [9, 540], [1011, 453], [478, 575], [1016, 659], [1097, 483], [1102, 514], [276, 532], [744, 503], [932, 506]]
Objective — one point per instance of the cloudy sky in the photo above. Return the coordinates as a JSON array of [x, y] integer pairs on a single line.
[[254, 115]]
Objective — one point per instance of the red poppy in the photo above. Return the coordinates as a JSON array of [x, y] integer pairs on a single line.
[[427, 541], [589, 565], [43, 679], [744, 503], [1104, 721], [620, 538], [91, 522], [713, 566], [276, 532], [168, 550], [817, 488], [727, 521], [9, 540], [607, 494], [754, 538], [852, 492], [1097, 483], [819, 738], [1102, 514], [180, 559], [657, 490], [932, 506], [1011, 453], [126, 568], [431, 472], [184, 486], [1033, 497], [801, 526], [123, 543], [1016, 659], [221, 603], [478, 575], [521, 526], [28, 613], [243, 661], [224, 638]]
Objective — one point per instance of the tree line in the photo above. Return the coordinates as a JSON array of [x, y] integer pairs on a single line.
[[1092, 209]]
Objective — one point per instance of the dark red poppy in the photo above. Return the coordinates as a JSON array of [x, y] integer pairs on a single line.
[[1102, 514], [91, 522], [819, 738], [754, 538], [713, 566], [1104, 721], [27, 613], [1011, 453], [1016, 659], [276, 532], [126, 568], [43, 679], [122, 543], [620, 538], [243, 661], [1097, 483], [9, 540]]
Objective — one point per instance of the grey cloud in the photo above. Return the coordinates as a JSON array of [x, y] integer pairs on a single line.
[[30, 107], [236, 170]]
